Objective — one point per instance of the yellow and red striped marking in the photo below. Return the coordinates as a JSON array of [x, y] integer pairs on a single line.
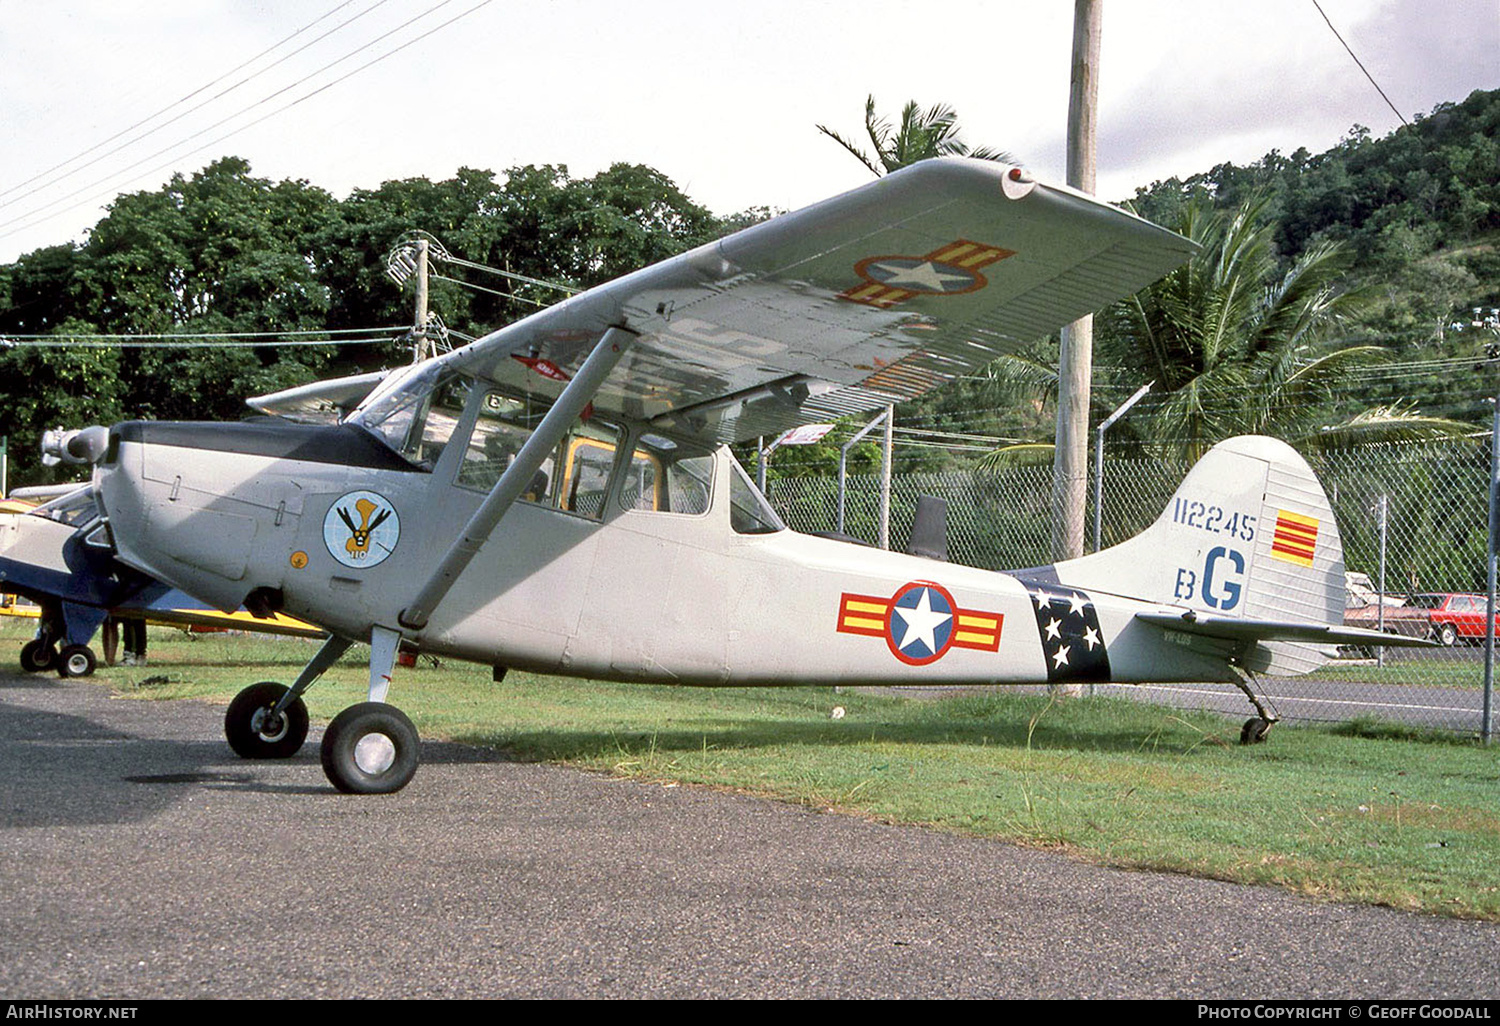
[[1296, 538], [870, 615], [961, 258]]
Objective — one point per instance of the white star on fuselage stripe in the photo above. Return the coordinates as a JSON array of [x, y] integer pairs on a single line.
[[1060, 659], [1076, 602], [923, 276], [1092, 637], [921, 622]]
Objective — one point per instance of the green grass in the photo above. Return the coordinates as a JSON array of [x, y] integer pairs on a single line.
[[1365, 812]]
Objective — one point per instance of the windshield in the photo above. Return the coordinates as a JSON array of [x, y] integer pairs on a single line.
[[749, 512], [416, 412]]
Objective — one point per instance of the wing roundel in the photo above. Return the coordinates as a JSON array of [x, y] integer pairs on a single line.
[[872, 297]]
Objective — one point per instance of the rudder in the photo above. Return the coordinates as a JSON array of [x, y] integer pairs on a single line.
[[1249, 534]]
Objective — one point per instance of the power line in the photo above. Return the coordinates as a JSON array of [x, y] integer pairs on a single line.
[[493, 292], [207, 334], [189, 96], [512, 275], [252, 124], [205, 339], [1362, 67], [222, 121], [64, 342]]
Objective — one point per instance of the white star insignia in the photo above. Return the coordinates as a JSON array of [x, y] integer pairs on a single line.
[[1092, 637], [1053, 631], [921, 622], [1060, 658], [924, 276], [1076, 602]]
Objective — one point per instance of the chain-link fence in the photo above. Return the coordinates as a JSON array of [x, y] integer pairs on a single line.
[[1425, 506]]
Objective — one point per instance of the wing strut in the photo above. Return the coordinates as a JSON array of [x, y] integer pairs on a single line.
[[549, 433]]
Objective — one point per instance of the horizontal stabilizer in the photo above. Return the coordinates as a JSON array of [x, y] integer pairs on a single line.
[[321, 402], [1232, 629]]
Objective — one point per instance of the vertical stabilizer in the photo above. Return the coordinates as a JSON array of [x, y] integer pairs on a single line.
[[1249, 534]]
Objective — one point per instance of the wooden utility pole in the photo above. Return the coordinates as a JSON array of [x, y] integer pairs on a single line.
[[1075, 358], [420, 346], [885, 477]]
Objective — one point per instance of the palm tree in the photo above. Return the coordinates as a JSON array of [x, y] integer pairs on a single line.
[[919, 135], [1236, 349]]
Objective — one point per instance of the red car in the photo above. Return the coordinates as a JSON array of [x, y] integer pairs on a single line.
[[1454, 617]]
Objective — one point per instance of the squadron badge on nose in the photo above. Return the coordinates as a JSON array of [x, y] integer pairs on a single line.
[[361, 529]]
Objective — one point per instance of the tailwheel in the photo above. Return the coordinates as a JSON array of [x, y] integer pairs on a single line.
[[370, 748], [75, 661], [37, 655], [256, 730], [1255, 730], [1258, 726]]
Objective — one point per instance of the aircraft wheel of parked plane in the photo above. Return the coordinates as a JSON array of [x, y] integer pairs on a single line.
[[38, 655], [76, 661], [370, 748], [258, 728], [1255, 730]]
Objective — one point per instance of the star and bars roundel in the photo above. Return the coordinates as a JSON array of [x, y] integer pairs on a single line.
[[920, 622], [949, 270]]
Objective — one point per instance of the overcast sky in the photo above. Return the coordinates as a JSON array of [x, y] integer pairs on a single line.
[[723, 98]]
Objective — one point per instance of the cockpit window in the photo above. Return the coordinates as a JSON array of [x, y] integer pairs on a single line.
[[749, 512], [574, 478], [668, 477], [416, 413]]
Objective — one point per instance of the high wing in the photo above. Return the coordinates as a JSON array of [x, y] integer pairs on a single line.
[[872, 297]]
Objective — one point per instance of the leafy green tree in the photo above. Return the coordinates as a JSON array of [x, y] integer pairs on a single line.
[[917, 135], [1237, 348]]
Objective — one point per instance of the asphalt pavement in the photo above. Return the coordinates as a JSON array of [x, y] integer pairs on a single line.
[[140, 859]]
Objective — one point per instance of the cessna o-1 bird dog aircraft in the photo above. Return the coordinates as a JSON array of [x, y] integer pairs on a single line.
[[558, 496]]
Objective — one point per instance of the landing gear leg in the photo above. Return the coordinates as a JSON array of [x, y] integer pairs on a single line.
[[372, 747], [40, 653], [1256, 727], [269, 720]]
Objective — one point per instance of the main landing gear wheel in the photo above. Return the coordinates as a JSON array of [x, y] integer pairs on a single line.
[[370, 748], [75, 661], [37, 655], [254, 729]]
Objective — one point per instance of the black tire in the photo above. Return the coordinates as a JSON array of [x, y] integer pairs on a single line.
[[37, 655], [1254, 731], [76, 661], [252, 731], [1447, 634], [387, 760]]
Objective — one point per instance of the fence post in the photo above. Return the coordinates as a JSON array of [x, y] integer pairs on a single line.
[[1382, 509], [1489, 608]]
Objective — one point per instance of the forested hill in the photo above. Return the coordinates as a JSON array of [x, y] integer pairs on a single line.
[[223, 251], [1415, 218]]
